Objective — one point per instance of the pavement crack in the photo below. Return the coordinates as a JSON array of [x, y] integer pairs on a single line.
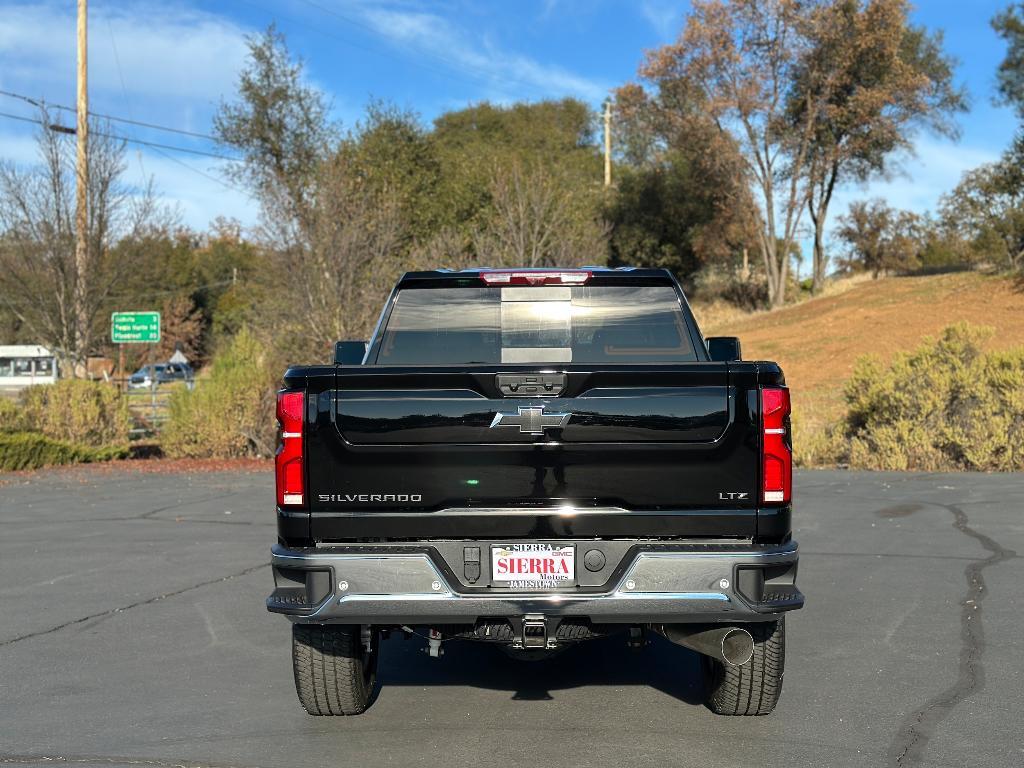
[[916, 729], [137, 604], [184, 503], [43, 759]]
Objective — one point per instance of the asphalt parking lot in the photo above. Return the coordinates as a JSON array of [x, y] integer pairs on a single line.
[[133, 632]]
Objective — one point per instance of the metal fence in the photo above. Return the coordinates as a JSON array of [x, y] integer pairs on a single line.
[[149, 407]]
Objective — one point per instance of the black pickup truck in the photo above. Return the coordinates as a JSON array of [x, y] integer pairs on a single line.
[[534, 458]]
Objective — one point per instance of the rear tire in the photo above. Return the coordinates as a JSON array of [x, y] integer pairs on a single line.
[[753, 688], [335, 674]]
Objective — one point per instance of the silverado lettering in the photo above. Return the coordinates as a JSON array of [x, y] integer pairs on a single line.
[[382, 497], [569, 433]]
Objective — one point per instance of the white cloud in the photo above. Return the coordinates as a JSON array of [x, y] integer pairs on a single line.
[[508, 73], [167, 64], [665, 17], [163, 51]]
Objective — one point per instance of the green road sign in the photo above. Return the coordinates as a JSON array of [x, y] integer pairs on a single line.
[[135, 327]]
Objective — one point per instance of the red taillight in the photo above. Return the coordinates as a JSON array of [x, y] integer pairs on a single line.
[[776, 456], [291, 480], [536, 277]]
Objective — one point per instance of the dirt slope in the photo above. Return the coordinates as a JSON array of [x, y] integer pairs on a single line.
[[818, 341]]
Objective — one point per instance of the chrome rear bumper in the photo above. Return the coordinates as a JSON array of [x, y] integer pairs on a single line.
[[413, 586]]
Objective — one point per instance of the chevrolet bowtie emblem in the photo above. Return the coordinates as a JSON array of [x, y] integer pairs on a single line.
[[531, 420]]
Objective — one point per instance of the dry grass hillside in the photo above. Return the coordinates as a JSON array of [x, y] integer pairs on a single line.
[[818, 341]]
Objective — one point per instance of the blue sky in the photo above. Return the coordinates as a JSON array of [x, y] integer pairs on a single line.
[[171, 62]]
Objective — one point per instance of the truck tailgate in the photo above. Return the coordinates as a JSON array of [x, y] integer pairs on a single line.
[[389, 448]]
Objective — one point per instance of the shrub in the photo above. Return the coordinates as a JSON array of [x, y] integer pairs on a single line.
[[230, 413], [86, 413], [717, 281], [32, 450], [9, 415], [946, 406], [816, 444]]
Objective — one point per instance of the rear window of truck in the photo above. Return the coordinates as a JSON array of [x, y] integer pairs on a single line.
[[536, 324]]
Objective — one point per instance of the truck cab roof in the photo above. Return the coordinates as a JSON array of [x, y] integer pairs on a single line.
[[572, 275]]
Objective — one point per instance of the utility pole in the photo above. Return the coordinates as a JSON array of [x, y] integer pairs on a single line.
[[82, 188], [607, 142]]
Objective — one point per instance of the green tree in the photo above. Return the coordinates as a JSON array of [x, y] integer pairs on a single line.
[[681, 200], [987, 208], [1009, 25], [235, 281], [331, 227], [544, 130], [670, 214], [279, 125], [879, 238], [479, 144], [392, 152]]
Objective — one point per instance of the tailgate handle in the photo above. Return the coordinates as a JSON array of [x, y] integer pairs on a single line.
[[531, 384]]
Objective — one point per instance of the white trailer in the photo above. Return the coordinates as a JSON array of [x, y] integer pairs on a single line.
[[22, 365]]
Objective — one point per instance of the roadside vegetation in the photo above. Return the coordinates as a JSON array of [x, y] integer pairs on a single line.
[[231, 413], [728, 150], [67, 422], [947, 405], [819, 342]]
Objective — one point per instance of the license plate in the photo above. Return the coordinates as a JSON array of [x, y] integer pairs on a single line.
[[533, 566]]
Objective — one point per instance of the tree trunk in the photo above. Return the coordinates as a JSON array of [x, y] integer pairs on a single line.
[[818, 210], [775, 273], [783, 275], [820, 260]]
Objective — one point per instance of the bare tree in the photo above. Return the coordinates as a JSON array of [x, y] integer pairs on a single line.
[[538, 220], [329, 269], [181, 327], [448, 248], [350, 258], [38, 273]]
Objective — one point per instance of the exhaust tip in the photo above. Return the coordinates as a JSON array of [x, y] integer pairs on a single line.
[[737, 647]]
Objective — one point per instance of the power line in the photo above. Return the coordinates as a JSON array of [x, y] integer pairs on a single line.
[[128, 139], [114, 118], [205, 175], [124, 93]]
